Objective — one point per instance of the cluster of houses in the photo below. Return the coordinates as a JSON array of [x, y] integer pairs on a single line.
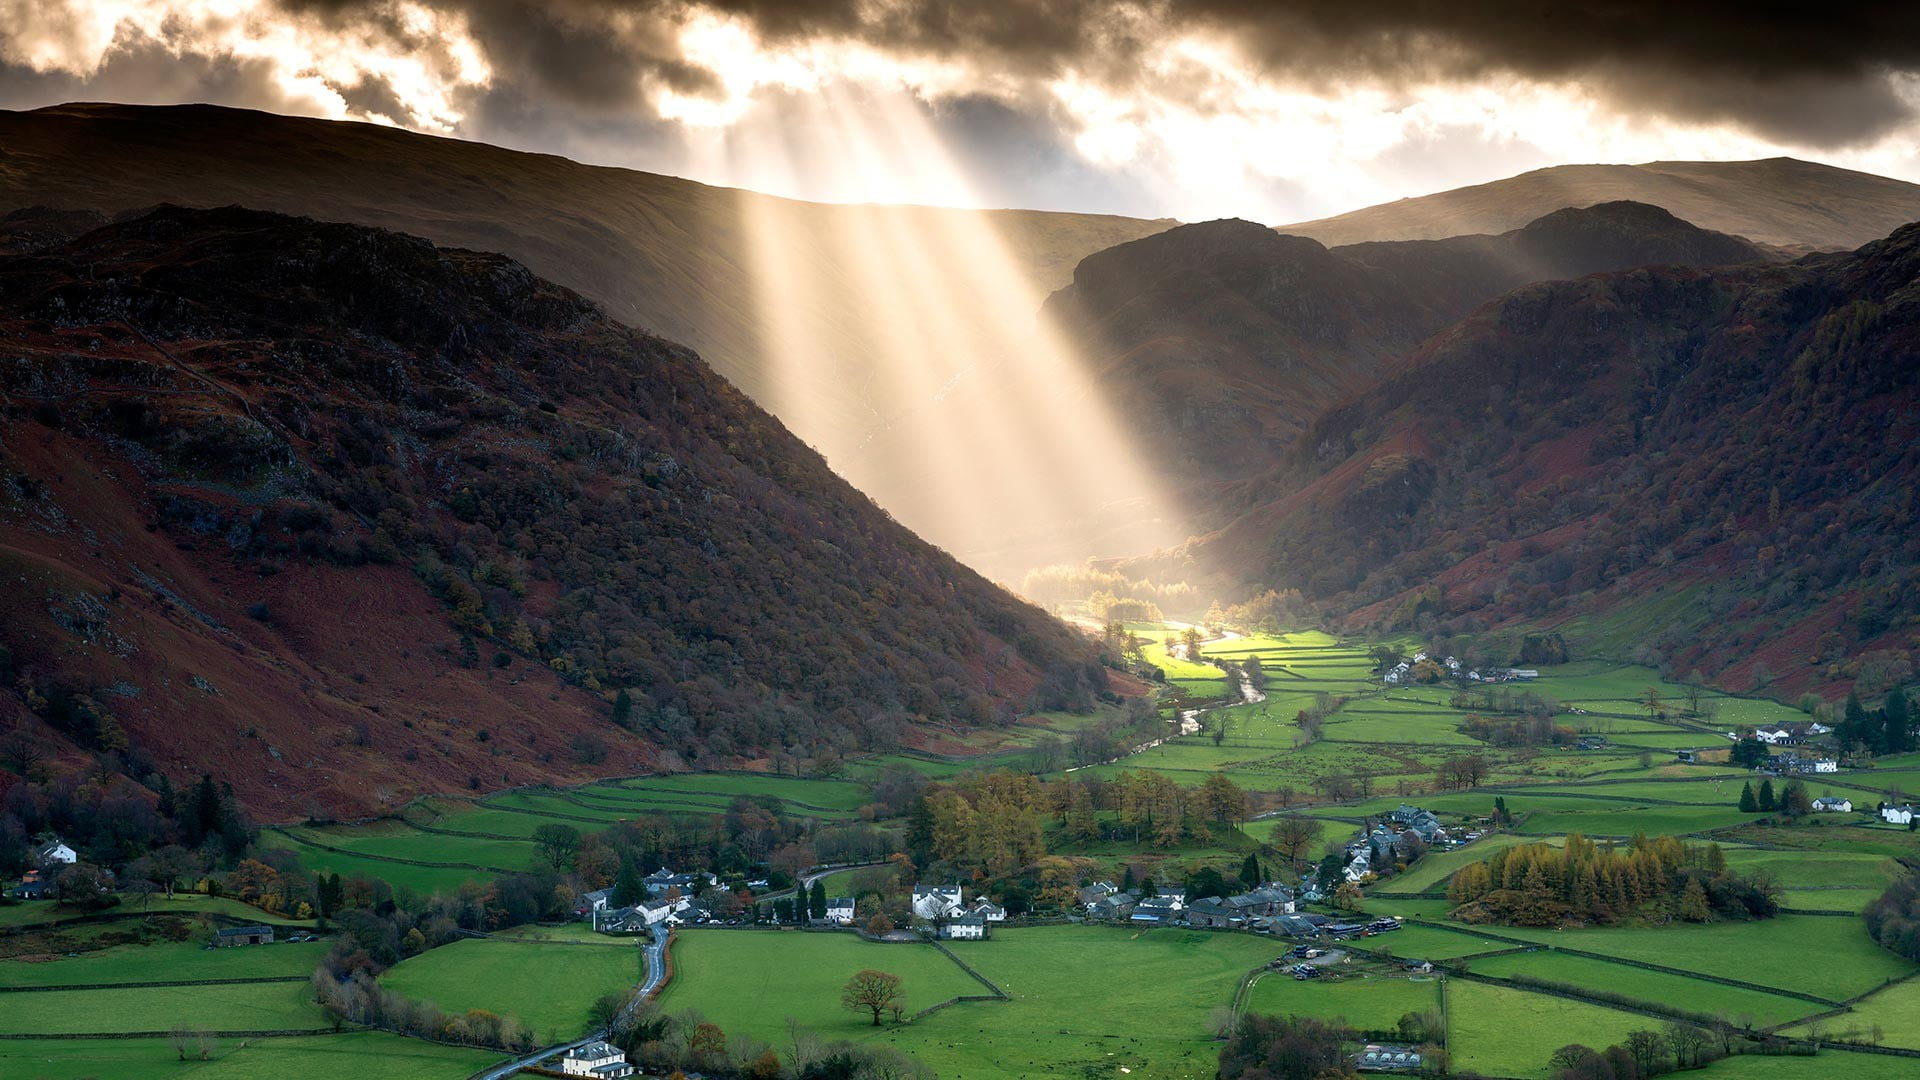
[[1260, 909], [1897, 813], [669, 896], [1388, 842], [1793, 734], [945, 909], [1402, 672]]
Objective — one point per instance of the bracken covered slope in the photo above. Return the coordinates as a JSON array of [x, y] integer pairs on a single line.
[[668, 255], [1713, 468], [341, 517], [1223, 340]]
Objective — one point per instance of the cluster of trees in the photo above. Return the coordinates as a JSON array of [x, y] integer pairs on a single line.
[[1065, 586], [1270, 612], [1646, 1053], [1792, 801], [1525, 730], [1582, 882], [361, 999], [995, 823], [1260, 1047], [678, 1044], [1886, 730], [1894, 918]]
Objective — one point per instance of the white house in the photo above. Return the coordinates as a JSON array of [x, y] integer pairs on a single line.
[[596, 1059], [936, 901], [53, 851], [964, 928], [988, 910], [1773, 736], [1833, 804], [1826, 765], [1897, 815], [840, 910]]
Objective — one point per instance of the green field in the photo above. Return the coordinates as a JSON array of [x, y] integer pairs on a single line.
[[1370, 1004], [548, 986], [1742, 1006], [1505, 1032], [220, 1007], [1895, 1011], [165, 962], [351, 1055], [1079, 995]]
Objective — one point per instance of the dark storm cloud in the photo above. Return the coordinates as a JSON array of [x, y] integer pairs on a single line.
[[1813, 74]]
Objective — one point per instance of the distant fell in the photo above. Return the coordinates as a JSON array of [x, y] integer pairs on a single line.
[[1798, 205]]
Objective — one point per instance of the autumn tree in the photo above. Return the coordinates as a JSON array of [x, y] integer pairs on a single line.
[[871, 991], [556, 843], [1293, 836]]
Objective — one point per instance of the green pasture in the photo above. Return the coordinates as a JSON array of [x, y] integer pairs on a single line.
[[1895, 1011], [219, 1007], [1374, 1003], [164, 962], [1507, 1032], [425, 880], [549, 987], [1743, 1007], [349, 1055]]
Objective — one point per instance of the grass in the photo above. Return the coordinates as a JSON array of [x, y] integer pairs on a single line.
[[1895, 1011], [352, 1055], [750, 982], [221, 1007], [1758, 952], [1677, 991], [425, 880], [46, 911], [165, 962], [1370, 1004], [1506, 1032], [549, 987]]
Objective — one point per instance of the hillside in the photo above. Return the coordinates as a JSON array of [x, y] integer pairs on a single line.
[[693, 263], [1797, 205], [341, 517], [1223, 340], [1708, 469]]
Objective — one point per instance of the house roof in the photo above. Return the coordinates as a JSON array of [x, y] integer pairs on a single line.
[[236, 931], [595, 1051]]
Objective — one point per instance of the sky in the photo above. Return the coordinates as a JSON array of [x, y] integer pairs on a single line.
[[1277, 111]]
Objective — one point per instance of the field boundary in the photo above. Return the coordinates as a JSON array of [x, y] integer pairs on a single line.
[[269, 1033], [969, 969], [304, 842], [157, 985]]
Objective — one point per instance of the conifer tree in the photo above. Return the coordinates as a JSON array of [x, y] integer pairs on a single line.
[[1748, 804], [1767, 804]]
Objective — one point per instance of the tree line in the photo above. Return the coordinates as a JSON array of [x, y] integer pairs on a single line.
[[1585, 882]]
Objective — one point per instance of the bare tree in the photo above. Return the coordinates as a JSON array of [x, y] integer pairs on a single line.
[[872, 991]]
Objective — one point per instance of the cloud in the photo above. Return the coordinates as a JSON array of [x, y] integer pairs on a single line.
[[1239, 106]]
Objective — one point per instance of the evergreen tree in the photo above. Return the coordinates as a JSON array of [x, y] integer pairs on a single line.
[[1748, 805], [207, 811], [168, 804], [817, 900], [1500, 815], [1126, 880], [1250, 871], [1330, 873], [1767, 805], [623, 708], [1693, 902], [628, 888], [1855, 727], [1897, 723]]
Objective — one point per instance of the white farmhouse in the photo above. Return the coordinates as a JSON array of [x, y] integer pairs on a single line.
[[1897, 815], [54, 853], [936, 901], [1833, 804], [596, 1059], [840, 910]]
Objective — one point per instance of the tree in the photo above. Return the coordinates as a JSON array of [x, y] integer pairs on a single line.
[[1766, 800], [1686, 1042], [1647, 1049], [628, 889], [1748, 804], [557, 843], [623, 708], [1653, 702], [1292, 836], [1287, 1048], [1250, 871], [1693, 902], [871, 991], [1794, 800], [879, 925], [817, 900], [1748, 753]]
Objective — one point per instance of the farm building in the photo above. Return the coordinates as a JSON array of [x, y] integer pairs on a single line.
[[993, 912], [1833, 804], [1117, 906], [1901, 814], [243, 935], [54, 853], [1155, 910], [936, 901], [1709, 755], [596, 1059], [1385, 1058], [1215, 912], [964, 928], [840, 910]]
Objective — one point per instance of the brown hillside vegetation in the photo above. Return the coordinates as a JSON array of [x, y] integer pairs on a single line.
[[1223, 340], [1744, 436], [658, 252], [1798, 205], [341, 517]]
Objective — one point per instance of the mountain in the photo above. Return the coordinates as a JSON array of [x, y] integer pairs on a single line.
[[1797, 205], [1708, 469], [1222, 341], [785, 299], [340, 517]]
